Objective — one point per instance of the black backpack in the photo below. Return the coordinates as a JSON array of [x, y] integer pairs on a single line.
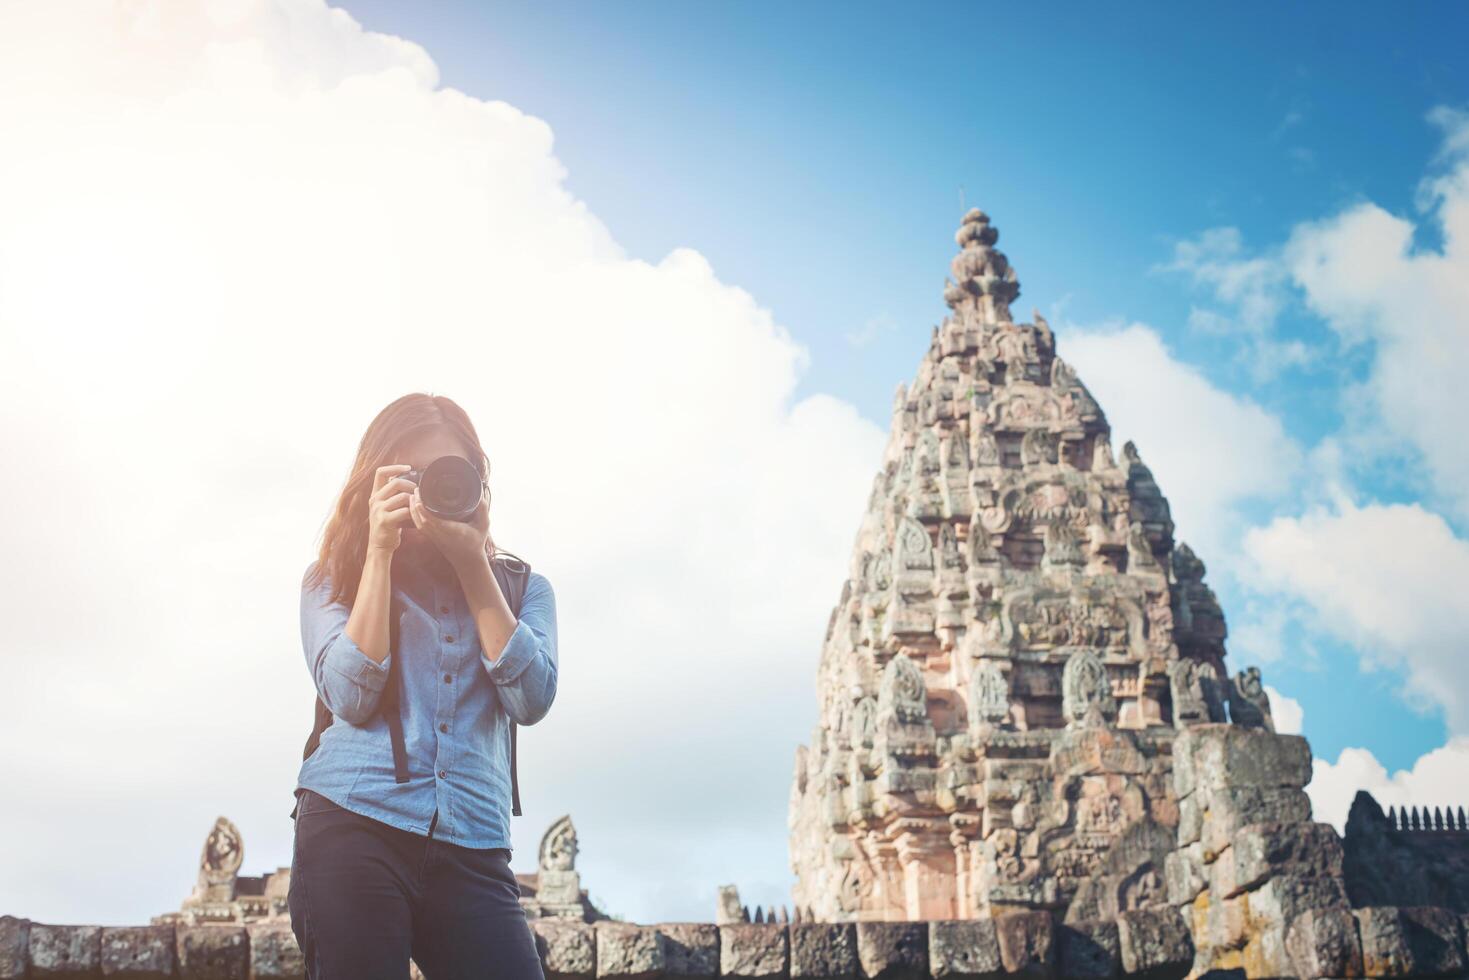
[[512, 572]]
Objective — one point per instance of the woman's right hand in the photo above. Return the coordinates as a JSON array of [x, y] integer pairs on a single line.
[[387, 508]]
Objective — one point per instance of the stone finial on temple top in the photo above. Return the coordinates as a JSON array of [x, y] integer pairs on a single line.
[[984, 280]]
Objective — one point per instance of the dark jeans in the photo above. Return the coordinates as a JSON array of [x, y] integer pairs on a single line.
[[365, 896]]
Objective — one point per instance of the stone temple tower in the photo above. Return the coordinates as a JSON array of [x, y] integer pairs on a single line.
[[1016, 645]]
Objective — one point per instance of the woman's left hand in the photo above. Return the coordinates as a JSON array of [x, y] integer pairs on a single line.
[[460, 542]]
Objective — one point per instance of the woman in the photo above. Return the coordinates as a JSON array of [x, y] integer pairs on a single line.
[[384, 869]]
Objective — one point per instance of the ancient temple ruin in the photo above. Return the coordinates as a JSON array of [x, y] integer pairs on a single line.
[[1018, 641]]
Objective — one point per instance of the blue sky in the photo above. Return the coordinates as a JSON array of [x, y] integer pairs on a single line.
[[1248, 226], [816, 154]]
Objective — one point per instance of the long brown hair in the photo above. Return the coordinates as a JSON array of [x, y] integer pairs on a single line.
[[344, 543]]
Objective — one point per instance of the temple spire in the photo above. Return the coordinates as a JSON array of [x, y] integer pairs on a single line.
[[984, 281], [1014, 648]]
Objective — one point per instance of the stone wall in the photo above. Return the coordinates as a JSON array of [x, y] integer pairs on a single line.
[[1406, 858], [1151, 943], [1154, 943]]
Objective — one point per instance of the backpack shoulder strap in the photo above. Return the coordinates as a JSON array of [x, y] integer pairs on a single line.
[[513, 573], [322, 721]]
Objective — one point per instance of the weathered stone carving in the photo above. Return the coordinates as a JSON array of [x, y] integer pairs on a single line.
[[1196, 690], [1086, 695], [989, 696], [214, 898], [558, 889], [901, 694], [1249, 705], [1010, 622]]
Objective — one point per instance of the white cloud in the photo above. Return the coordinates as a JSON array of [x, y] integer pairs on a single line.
[[1286, 712], [1211, 451], [1359, 271], [232, 233], [1251, 289], [1438, 778], [1388, 580]]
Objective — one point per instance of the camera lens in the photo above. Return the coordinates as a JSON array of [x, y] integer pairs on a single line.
[[450, 488]]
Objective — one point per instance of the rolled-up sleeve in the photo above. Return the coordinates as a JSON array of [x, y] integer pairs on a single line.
[[525, 672], [349, 681]]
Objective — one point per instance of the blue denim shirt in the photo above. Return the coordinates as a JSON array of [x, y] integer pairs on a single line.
[[456, 707]]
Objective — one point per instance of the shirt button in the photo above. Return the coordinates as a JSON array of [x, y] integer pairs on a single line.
[[449, 638], [448, 678], [443, 728], [443, 773], [443, 609]]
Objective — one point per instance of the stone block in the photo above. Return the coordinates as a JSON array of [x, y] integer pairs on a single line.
[[1190, 820], [1284, 897], [65, 951], [1265, 954], [964, 949], [1184, 780], [1261, 851], [15, 946], [1435, 937], [1155, 943], [274, 952], [823, 950], [1183, 874], [1089, 950], [1209, 757], [893, 950], [214, 952], [1230, 810], [1027, 943], [1323, 943], [140, 952], [1418, 941], [628, 951], [690, 949], [754, 949], [567, 947], [1220, 925], [1305, 849]]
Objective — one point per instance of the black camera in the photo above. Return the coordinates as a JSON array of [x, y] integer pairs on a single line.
[[450, 487]]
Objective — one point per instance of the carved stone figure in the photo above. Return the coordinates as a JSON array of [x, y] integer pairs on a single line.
[[1085, 692], [558, 846], [901, 693], [219, 866], [1196, 691], [1249, 705], [989, 695], [1062, 548]]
